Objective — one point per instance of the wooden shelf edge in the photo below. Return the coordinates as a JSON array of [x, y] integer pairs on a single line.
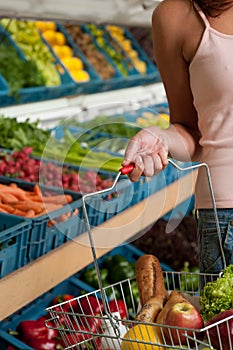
[[26, 284]]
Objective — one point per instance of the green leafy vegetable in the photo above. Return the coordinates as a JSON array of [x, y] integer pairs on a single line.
[[17, 135], [17, 72], [27, 37], [217, 296]]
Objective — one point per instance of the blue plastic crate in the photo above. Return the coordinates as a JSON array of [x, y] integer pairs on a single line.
[[3, 87], [152, 74], [37, 93], [34, 310], [91, 86], [43, 238], [101, 84], [14, 238]]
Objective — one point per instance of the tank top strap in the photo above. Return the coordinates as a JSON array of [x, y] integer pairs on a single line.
[[201, 13]]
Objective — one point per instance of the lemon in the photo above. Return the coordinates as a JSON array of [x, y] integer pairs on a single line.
[[57, 50], [66, 51], [72, 63], [50, 36], [140, 66], [142, 333], [51, 25], [62, 51], [133, 53], [80, 76], [126, 44], [41, 25], [60, 38]]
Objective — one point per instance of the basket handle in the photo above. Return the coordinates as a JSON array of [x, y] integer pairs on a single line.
[[196, 166]]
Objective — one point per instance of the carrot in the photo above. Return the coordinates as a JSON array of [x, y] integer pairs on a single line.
[[14, 191], [51, 223], [30, 214], [37, 190], [58, 199], [75, 212], [13, 184], [3, 211], [63, 217], [8, 198], [52, 206], [43, 212], [34, 198], [28, 205], [7, 207], [19, 212]]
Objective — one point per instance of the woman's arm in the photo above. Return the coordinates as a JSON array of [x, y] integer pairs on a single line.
[[170, 25], [149, 149]]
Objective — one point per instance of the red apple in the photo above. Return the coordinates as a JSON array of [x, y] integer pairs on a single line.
[[223, 330], [183, 315]]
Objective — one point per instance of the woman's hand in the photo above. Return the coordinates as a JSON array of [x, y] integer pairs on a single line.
[[148, 150]]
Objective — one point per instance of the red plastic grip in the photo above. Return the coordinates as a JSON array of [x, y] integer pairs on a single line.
[[127, 169]]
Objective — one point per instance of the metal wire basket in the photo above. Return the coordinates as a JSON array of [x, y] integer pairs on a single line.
[[105, 319]]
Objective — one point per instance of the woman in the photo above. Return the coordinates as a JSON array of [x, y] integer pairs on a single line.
[[193, 46]]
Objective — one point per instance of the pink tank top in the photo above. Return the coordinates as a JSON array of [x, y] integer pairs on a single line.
[[211, 79]]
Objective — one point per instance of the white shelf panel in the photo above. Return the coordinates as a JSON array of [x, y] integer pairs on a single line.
[[124, 12], [87, 106]]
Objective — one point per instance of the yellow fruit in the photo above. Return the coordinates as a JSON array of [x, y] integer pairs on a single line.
[[66, 51], [62, 51], [80, 76], [133, 53], [50, 36], [57, 50], [51, 25], [126, 44], [140, 66], [41, 25], [72, 63], [142, 333], [60, 38]]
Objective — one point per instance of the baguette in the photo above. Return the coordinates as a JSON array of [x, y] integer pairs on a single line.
[[151, 287], [150, 310]]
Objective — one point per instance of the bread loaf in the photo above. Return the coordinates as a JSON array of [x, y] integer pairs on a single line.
[[151, 287], [150, 310]]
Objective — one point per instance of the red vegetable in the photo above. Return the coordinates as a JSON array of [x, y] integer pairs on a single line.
[[118, 306], [222, 332], [43, 344], [91, 323], [31, 329], [90, 305], [63, 298], [76, 337]]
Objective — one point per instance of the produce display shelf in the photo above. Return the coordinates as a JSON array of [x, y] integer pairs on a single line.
[[44, 237], [37, 93], [14, 237], [35, 310], [73, 286], [124, 227]]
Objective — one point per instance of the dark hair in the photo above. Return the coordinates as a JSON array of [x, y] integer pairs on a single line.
[[214, 8]]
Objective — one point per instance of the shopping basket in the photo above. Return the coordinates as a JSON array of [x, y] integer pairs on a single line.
[[105, 318]]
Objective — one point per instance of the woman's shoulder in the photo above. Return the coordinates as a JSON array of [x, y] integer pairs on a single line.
[[173, 11], [175, 19]]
